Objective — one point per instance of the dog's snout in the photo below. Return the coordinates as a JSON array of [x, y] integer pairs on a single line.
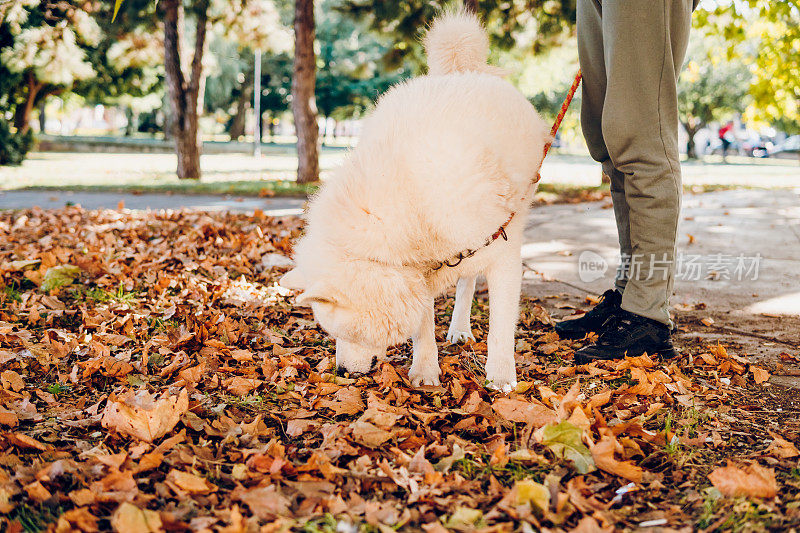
[[341, 371]]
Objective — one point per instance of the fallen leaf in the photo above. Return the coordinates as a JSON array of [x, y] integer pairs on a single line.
[[564, 440], [369, 434], [781, 447], [58, 276], [759, 374], [190, 483], [267, 503], [603, 455], [536, 494], [142, 417], [754, 480], [534, 412], [130, 519], [11, 380]]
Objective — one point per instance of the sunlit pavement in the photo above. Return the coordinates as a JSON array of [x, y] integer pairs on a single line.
[[739, 263]]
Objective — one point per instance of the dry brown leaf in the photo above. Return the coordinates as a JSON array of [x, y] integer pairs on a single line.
[[7, 418], [241, 386], [781, 447], [266, 503], [369, 434], [753, 480], [11, 380], [603, 455], [130, 519], [77, 520], [533, 412], [143, 417], [37, 492], [759, 374], [24, 441], [190, 483]]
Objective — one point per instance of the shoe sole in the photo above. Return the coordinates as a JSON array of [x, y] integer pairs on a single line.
[[668, 352]]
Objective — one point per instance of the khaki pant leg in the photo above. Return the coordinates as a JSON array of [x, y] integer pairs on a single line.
[[644, 42]]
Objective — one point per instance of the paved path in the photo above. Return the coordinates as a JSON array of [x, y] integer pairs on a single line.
[[755, 230], [96, 200]]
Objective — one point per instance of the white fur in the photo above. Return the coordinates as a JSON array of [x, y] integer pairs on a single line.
[[442, 162]]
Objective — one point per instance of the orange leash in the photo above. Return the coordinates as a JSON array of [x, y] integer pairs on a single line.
[[564, 106]]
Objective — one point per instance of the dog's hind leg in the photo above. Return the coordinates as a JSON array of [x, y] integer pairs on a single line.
[[504, 278], [460, 329], [425, 368]]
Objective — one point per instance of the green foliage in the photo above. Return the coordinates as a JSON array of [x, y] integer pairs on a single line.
[[13, 146], [765, 35], [711, 86], [351, 73], [527, 25]]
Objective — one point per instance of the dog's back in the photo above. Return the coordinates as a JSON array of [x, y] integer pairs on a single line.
[[444, 158]]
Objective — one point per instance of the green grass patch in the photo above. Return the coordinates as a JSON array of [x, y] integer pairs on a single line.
[[35, 518]]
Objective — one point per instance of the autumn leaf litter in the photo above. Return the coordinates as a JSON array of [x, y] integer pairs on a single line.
[[154, 377]]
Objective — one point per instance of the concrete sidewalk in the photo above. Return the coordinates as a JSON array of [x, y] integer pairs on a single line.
[[740, 268], [108, 200]]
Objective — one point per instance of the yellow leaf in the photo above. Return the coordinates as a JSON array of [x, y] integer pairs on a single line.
[[130, 519], [534, 493], [117, 5]]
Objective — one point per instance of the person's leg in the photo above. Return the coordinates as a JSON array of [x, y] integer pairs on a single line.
[[593, 95], [644, 43]]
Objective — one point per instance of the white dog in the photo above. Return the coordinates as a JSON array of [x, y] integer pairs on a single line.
[[442, 163]]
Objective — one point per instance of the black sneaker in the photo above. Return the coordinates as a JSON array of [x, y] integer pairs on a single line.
[[626, 334], [577, 328]]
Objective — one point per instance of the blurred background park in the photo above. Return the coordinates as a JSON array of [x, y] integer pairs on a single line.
[[263, 97]]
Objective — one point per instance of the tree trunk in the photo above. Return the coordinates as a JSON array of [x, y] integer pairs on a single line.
[[242, 105], [22, 116], [304, 107], [471, 5], [183, 95], [42, 115], [271, 128], [691, 148]]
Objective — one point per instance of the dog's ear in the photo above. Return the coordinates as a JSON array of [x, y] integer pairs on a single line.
[[318, 293], [293, 280]]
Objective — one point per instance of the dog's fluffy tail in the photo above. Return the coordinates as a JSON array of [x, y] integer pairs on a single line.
[[457, 42]]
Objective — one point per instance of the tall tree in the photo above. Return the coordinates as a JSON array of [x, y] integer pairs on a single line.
[[259, 27], [184, 92], [44, 48], [304, 106]]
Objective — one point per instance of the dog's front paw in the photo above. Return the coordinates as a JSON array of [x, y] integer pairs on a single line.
[[424, 375], [457, 336], [503, 378], [501, 386]]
